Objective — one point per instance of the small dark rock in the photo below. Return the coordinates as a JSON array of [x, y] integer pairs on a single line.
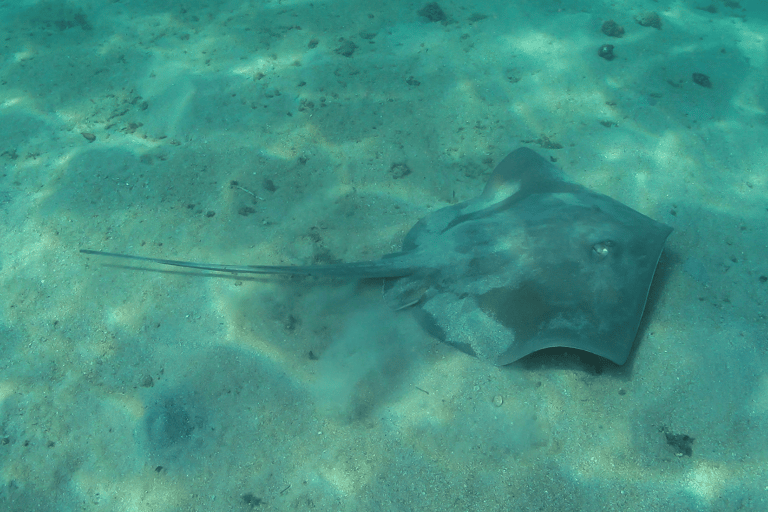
[[612, 29], [683, 444], [88, 136], [347, 48], [306, 105], [544, 141], [399, 170], [251, 500], [606, 52], [433, 12], [269, 185], [412, 81], [80, 19], [712, 9], [702, 80], [649, 19], [292, 323], [245, 211]]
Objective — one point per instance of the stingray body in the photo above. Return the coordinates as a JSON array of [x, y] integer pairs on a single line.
[[533, 262]]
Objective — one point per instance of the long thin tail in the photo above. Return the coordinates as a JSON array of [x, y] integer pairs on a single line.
[[392, 266]]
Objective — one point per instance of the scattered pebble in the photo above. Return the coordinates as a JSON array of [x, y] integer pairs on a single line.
[[606, 52], [681, 443], [399, 170], [269, 185], [649, 19], [702, 80], [88, 136], [712, 9], [433, 12], [612, 29], [347, 48], [498, 400]]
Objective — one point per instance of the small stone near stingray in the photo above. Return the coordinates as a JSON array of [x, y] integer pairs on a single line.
[[269, 185], [612, 29], [649, 19], [702, 80], [433, 12], [683, 444], [399, 170], [606, 52], [251, 500], [347, 48]]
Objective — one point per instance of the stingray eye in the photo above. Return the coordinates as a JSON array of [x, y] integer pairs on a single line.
[[602, 249]]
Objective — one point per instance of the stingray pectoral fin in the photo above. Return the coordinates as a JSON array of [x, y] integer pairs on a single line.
[[389, 267]]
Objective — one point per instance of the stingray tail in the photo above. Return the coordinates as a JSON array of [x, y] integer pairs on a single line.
[[393, 265]]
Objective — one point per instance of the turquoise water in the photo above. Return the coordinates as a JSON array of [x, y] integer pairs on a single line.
[[304, 132]]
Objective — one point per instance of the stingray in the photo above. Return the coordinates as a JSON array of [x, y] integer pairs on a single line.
[[534, 262]]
